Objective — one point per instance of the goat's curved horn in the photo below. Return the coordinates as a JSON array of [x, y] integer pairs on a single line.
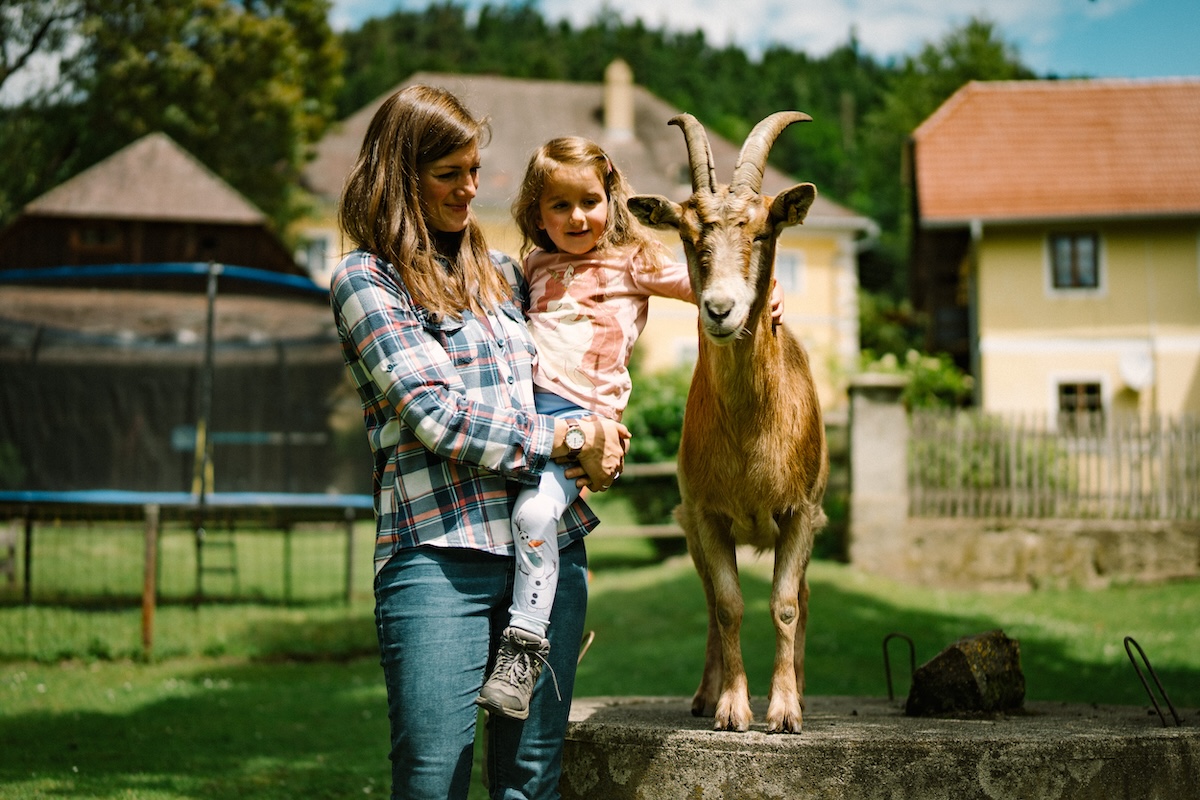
[[704, 175], [752, 161]]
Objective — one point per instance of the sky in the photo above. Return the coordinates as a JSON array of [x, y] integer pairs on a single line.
[[1064, 38]]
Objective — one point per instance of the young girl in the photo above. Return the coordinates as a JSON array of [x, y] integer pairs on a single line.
[[591, 269]]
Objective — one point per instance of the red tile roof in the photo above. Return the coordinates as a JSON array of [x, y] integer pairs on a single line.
[[1031, 150]]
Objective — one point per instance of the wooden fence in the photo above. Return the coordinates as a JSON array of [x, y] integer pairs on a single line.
[[968, 464]]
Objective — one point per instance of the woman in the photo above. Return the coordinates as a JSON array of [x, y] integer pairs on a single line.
[[434, 338]]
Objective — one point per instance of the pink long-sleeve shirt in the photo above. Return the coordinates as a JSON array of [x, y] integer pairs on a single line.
[[586, 313]]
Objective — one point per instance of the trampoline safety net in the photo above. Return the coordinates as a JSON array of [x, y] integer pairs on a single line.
[[116, 388]]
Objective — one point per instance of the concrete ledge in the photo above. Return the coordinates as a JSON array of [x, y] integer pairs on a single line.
[[649, 748]]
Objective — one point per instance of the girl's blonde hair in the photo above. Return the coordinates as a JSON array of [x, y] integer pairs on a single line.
[[621, 229], [380, 209]]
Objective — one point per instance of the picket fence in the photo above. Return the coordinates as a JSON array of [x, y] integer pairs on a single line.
[[970, 464]]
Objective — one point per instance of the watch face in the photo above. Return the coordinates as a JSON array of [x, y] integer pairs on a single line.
[[575, 439]]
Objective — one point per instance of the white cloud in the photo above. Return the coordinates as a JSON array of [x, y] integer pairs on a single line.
[[1051, 36], [345, 14], [884, 28]]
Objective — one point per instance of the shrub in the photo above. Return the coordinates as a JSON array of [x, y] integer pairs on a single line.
[[655, 418], [933, 380]]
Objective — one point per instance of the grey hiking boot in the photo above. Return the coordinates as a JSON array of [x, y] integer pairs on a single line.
[[518, 665]]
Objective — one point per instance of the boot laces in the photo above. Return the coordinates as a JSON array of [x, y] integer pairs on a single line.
[[517, 663]]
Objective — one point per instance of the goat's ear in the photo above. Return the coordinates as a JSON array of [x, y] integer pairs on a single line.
[[790, 207], [655, 210]]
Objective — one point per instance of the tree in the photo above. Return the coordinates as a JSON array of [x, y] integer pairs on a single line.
[[914, 91], [34, 28], [655, 418], [247, 86], [388, 49], [31, 133]]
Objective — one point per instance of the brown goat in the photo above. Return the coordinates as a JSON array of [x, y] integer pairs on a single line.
[[752, 462]]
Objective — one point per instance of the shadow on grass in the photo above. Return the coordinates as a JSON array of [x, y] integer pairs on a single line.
[[248, 731], [350, 638]]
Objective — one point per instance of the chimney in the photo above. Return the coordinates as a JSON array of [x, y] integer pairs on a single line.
[[618, 101]]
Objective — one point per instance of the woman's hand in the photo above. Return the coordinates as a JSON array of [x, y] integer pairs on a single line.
[[603, 454]]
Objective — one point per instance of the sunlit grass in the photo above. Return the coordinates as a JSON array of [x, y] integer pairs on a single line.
[[650, 626]]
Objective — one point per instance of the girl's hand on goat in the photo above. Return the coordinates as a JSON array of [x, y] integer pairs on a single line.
[[776, 303], [603, 454]]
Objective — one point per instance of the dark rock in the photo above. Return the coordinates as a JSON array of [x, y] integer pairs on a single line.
[[976, 674]]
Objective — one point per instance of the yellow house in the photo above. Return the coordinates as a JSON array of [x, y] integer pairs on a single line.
[[1057, 243], [816, 263]]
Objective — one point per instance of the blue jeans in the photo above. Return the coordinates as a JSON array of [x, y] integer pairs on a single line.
[[439, 614]]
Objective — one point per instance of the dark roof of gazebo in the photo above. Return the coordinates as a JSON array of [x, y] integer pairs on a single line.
[[151, 179]]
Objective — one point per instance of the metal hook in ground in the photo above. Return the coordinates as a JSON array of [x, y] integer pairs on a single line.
[[887, 666], [1129, 640]]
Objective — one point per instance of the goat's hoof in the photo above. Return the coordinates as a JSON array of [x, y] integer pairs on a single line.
[[702, 707], [733, 715], [785, 725], [785, 716], [732, 725]]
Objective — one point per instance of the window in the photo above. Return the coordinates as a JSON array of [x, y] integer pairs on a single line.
[[789, 270], [1074, 398], [1080, 407], [687, 350], [313, 254], [95, 239], [1075, 261]]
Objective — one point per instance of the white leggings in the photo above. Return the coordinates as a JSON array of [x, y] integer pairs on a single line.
[[535, 522]]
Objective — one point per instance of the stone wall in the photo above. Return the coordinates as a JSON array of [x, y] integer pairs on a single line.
[[1022, 554]]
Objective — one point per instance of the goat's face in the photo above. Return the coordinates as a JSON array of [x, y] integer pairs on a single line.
[[729, 232], [729, 239]]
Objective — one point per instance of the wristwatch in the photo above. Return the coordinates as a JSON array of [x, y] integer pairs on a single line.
[[574, 440]]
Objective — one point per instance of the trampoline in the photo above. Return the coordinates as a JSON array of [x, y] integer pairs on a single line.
[[203, 391], [273, 510], [148, 368], [277, 508]]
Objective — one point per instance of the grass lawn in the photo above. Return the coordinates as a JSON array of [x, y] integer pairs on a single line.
[[246, 702], [650, 627], [193, 728]]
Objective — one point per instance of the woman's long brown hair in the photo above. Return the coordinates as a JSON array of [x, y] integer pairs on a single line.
[[380, 209]]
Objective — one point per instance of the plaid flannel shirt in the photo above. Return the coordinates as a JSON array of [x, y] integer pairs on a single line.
[[449, 412]]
